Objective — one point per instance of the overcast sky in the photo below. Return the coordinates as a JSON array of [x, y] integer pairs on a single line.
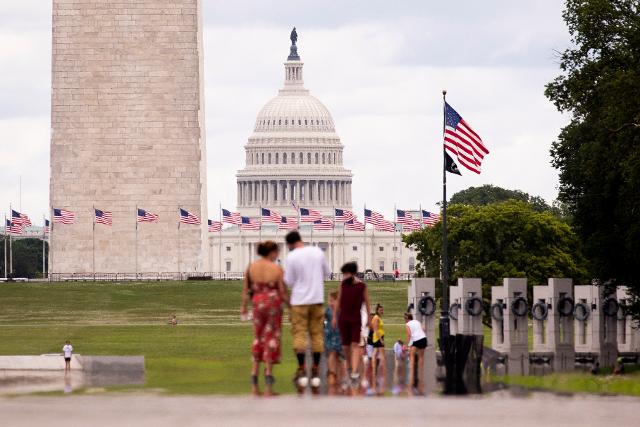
[[379, 67]]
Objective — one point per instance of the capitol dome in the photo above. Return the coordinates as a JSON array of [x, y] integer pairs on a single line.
[[294, 155]]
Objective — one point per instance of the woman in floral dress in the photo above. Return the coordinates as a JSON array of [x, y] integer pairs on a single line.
[[264, 285]]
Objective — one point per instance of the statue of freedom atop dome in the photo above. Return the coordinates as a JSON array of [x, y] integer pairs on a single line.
[[293, 51]]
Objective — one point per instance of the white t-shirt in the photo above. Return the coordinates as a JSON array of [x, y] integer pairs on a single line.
[[67, 350], [364, 322], [417, 333], [304, 273]]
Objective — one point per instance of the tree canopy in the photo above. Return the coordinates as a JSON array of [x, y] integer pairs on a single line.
[[488, 194], [598, 152], [27, 257], [508, 239]]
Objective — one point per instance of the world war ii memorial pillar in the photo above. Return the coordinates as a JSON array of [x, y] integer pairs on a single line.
[[127, 131]]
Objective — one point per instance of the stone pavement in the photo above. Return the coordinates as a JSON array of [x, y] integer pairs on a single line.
[[495, 409]]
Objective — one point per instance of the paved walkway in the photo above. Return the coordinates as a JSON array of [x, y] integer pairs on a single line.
[[496, 409]]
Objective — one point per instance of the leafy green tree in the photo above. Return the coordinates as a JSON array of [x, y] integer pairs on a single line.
[[509, 239], [598, 152], [27, 257], [488, 194]]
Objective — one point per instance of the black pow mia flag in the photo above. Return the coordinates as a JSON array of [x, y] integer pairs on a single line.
[[449, 165]]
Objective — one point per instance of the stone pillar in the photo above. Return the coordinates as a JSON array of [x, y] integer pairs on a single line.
[[239, 194]]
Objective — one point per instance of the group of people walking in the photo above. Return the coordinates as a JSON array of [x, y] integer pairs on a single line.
[[351, 336]]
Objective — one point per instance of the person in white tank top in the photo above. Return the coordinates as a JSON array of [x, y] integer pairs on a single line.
[[418, 343]]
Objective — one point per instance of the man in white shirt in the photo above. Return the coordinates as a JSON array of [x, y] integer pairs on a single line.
[[305, 271], [67, 349]]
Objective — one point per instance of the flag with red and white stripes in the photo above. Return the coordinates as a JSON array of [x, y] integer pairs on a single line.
[[429, 218], [288, 223], [231, 217], [323, 224], [343, 215], [249, 224], [461, 141], [354, 225], [103, 217], [214, 226], [386, 226], [11, 227], [187, 217], [375, 218], [62, 216], [309, 215], [46, 227], [145, 216], [404, 217], [269, 215], [20, 219]]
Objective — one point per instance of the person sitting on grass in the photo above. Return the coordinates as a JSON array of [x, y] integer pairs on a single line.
[[173, 321], [352, 294], [264, 281]]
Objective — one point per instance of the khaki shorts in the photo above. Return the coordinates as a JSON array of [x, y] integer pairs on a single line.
[[307, 321]]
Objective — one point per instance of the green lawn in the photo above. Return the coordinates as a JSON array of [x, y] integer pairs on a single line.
[[208, 352]]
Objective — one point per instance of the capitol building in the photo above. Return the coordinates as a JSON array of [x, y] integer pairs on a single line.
[[294, 157]]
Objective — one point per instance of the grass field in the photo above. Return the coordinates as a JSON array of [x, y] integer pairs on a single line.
[[208, 352]]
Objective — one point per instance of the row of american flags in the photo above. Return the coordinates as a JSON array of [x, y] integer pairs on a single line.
[[349, 219]]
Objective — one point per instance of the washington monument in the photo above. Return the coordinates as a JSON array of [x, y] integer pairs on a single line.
[[127, 118]]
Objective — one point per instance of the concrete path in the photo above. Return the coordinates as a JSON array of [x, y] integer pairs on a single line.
[[496, 409]]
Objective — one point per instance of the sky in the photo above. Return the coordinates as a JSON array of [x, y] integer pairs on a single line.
[[379, 67]]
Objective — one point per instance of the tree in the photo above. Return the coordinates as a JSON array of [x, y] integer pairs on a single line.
[[598, 152], [488, 194], [509, 239], [27, 257]]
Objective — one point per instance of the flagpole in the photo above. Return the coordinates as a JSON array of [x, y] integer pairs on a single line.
[[395, 229], [50, 240], [444, 309], [93, 244], [364, 249], [220, 241], [136, 219], [260, 231], [333, 241], [6, 233], [179, 248], [43, 236]]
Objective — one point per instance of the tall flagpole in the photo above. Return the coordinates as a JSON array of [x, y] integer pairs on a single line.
[[6, 233], [220, 241], [444, 313], [333, 241], [364, 249], [136, 218], [44, 273], [179, 248], [395, 229], [260, 231], [93, 244], [50, 240], [10, 242]]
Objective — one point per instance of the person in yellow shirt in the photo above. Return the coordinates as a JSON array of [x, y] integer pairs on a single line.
[[378, 359]]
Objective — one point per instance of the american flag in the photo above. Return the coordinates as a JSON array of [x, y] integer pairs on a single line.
[[187, 217], [249, 224], [309, 215], [61, 216], [323, 224], [46, 226], [103, 217], [461, 141], [20, 219], [269, 215], [214, 226], [372, 217], [354, 225], [412, 225], [386, 226], [343, 215], [231, 217], [404, 217], [12, 228], [429, 218], [288, 223], [144, 216]]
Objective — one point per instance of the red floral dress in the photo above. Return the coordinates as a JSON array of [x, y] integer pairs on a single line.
[[267, 322]]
